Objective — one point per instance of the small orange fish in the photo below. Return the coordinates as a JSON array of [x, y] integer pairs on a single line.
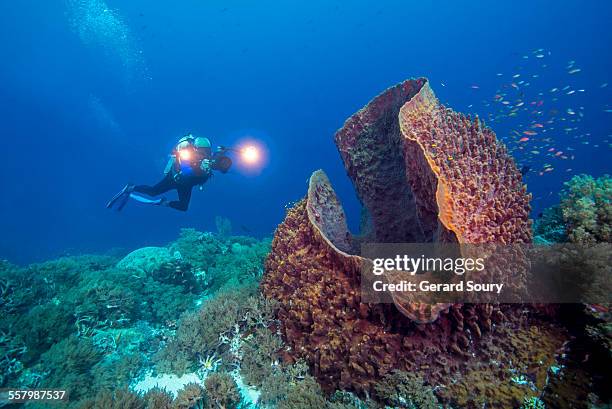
[[524, 139], [530, 133], [538, 126]]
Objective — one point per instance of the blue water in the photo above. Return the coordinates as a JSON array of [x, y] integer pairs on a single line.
[[95, 94]]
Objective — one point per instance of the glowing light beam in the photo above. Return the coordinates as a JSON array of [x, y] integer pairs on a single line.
[[250, 154]]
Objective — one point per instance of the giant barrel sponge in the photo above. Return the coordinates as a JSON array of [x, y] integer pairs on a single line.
[[424, 174]]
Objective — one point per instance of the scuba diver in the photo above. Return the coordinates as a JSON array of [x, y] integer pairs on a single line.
[[191, 163]]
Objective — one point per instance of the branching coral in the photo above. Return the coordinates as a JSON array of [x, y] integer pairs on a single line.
[[222, 260], [158, 399], [208, 330], [275, 387], [20, 289], [261, 356], [192, 396], [118, 399], [11, 352], [43, 326], [584, 215], [586, 205], [117, 370], [222, 391], [305, 394], [69, 365], [198, 248], [404, 390]]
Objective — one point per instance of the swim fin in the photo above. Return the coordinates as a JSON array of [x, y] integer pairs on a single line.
[[146, 200], [121, 197]]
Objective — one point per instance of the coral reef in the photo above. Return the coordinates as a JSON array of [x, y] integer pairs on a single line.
[[118, 399], [584, 215], [424, 173], [190, 397], [117, 331], [68, 365], [93, 324], [306, 394], [210, 330], [261, 353], [586, 206], [219, 260], [158, 399], [222, 391], [550, 227], [159, 264], [404, 390]]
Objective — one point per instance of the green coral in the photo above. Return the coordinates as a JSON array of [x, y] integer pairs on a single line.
[[200, 249], [586, 205], [200, 333], [66, 272], [348, 400], [222, 391], [107, 302], [116, 370], [158, 399], [43, 326], [405, 390], [261, 356], [240, 263], [223, 261], [192, 396], [278, 385], [118, 399], [69, 366], [306, 394]]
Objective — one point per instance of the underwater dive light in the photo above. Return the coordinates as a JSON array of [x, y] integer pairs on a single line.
[[250, 154]]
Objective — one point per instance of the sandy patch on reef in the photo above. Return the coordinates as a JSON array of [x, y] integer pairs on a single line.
[[173, 384]]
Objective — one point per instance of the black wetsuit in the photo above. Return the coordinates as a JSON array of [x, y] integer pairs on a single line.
[[176, 180], [183, 188]]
